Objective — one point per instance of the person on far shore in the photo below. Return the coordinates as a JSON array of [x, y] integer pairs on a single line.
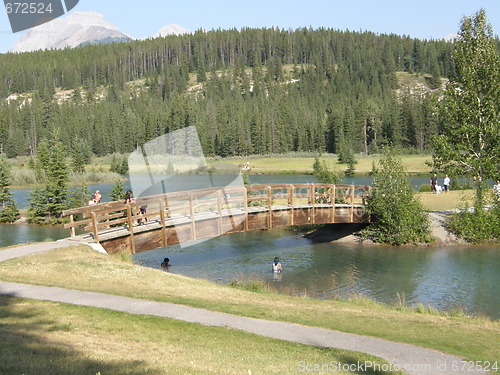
[[446, 183], [433, 183]]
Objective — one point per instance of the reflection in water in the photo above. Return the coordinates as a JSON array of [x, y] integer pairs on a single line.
[[441, 277]]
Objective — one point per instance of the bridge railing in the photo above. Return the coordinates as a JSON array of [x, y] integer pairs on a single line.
[[202, 203]]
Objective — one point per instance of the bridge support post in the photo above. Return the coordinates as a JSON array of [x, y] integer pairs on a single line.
[[269, 208], [193, 219], [94, 226], [162, 221], [312, 190], [72, 229], [352, 204], [291, 190], [130, 229], [245, 206], [219, 211], [333, 191]]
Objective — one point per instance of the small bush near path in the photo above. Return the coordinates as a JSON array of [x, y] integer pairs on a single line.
[[477, 225]]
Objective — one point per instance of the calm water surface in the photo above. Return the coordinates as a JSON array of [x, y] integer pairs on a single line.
[[445, 278], [14, 234]]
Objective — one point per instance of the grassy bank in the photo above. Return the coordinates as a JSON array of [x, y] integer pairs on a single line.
[[52, 338], [289, 164], [81, 268], [445, 201]]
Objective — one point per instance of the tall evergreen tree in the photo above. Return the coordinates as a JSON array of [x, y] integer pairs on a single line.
[[8, 209]]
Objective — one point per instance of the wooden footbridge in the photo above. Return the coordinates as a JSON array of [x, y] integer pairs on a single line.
[[181, 217]]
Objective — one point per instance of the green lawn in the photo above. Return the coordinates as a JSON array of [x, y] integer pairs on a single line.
[[445, 201], [83, 269], [47, 338]]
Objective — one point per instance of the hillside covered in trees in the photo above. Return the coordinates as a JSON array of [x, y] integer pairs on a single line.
[[250, 91]]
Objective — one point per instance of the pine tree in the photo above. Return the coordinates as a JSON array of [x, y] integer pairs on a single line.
[[47, 204], [118, 191], [8, 209], [57, 176]]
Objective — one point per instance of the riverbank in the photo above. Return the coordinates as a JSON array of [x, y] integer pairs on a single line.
[[350, 233]]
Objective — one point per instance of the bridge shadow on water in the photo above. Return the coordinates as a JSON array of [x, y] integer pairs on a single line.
[[343, 232]]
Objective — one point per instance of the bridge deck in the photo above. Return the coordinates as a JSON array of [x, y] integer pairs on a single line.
[[193, 215]]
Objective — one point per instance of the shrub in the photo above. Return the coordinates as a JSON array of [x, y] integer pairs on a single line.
[[477, 225], [397, 217], [424, 188]]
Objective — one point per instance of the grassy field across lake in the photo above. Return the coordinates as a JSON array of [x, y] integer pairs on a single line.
[[292, 164]]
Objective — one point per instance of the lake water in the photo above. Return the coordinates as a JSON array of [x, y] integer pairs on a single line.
[[14, 234], [445, 278]]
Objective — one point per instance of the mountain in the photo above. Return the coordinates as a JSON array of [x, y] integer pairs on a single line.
[[77, 29], [171, 29]]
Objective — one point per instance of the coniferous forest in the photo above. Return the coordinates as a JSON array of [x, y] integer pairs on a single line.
[[249, 91]]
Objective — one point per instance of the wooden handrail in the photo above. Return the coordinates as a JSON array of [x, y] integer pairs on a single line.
[[213, 200]]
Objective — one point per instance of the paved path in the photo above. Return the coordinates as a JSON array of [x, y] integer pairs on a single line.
[[412, 359]]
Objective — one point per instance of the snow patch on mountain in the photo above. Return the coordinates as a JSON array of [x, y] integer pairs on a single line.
[[77, 29], [171, 29]]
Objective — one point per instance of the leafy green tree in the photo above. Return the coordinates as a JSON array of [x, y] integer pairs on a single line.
[[397, 217], [470, 141], [8, 209]]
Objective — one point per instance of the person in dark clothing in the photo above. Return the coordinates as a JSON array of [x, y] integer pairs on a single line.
[[433, 182]]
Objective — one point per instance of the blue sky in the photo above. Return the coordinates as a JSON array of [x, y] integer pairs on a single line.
[[420, 19]]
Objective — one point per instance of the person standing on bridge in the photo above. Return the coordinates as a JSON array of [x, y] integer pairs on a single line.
[[128, 197], [97, 196]]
